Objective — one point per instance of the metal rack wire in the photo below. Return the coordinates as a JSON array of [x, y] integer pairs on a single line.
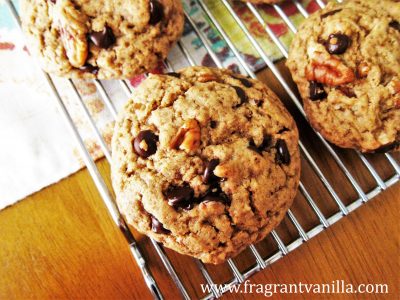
[[283, 248]]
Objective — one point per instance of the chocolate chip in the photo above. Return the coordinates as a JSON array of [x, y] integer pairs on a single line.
[[388, 147], [89, 69], [241, 94], [395, 25], [145, 144], [216, 194], [265, 145], [259, 102], [209, 175], [103, 39], [156, 12], [53, 1], [211, 198], [180, 197], [213, 124], [284, 129], [247, 83], [317, 91], [337, 43], [330, 13], [174, 74], [282, 153], [157, 226], [223, 198]]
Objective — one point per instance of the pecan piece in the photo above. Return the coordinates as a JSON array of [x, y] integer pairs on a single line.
[[207, 77], [188, 137], [73, 30], [328, 70]]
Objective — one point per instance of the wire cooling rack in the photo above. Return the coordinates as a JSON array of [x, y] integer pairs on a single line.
[[347, 178]]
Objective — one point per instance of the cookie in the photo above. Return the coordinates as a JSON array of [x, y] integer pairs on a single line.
[[205, 161], [101, 39], [345, 60]]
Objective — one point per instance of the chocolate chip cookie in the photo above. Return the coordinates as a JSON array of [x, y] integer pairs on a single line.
[[345, 60], [101, 39], [205, 161]]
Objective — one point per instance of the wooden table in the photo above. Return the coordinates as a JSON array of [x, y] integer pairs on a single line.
[[61, 243]]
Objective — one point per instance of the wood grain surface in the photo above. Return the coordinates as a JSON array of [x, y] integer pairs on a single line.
[[61, 243]]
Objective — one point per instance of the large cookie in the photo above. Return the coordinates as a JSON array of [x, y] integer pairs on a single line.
[[101, 39], [345, 60], [205, 161]]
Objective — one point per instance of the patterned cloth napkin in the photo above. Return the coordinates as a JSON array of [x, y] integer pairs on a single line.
[[36, 147]]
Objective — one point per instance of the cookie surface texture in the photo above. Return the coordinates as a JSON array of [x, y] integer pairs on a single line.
[[101, 39], [345, 60], [205, 161]]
